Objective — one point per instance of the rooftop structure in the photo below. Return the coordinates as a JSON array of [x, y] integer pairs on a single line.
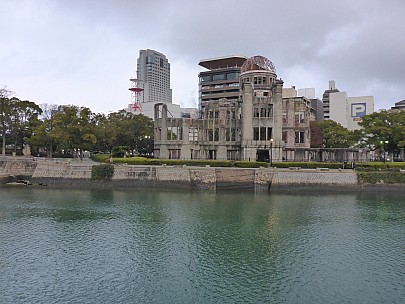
[[221, 80], [400, 105], [222, 62]]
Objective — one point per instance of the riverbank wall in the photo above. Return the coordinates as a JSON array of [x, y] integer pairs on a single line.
[[63, 173]]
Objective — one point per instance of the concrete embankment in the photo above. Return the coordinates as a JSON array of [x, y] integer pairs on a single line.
[[62, 173]]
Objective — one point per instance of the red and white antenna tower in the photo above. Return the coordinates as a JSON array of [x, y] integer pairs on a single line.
[[135, 95]]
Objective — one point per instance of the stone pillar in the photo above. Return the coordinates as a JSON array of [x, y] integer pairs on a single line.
[[160, 131], [247, 126], [277, 147]]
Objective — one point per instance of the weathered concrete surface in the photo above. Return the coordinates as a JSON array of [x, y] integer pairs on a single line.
[[78, 174], [332, 177], [17, 166]]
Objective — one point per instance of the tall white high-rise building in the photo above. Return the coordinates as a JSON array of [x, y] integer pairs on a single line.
[[153, 74], [152, 86]]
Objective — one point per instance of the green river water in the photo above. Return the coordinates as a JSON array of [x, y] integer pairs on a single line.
[[102, 246]]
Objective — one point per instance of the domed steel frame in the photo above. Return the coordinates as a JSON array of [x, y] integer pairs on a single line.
[[258, 63]]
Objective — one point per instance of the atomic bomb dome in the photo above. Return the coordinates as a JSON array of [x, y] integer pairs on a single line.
[[258, 63]]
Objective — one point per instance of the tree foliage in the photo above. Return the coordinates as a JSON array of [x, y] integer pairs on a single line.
[[384, 130], [70, 129], [18, 118], [334, 135], [5, 107]]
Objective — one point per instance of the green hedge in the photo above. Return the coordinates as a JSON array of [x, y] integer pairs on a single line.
[[369, 166], [102, 172], [386, 177], [382, 165], [178, 162], [310, 165], [101, 158], [249, 164]]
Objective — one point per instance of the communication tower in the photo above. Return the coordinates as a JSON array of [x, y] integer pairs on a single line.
[[136, 90]]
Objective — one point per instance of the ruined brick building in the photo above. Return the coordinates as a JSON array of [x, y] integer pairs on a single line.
[[259, 124]]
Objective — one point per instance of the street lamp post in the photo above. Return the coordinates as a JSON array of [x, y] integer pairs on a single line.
[[271, 152]]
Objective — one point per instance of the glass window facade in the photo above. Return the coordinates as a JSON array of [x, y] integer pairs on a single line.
[[232, 76], [218, 77], [205, 78]]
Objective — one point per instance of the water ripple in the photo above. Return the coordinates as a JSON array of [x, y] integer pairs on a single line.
[[161, 247]]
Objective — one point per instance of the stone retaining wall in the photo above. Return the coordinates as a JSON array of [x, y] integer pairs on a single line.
[[134, 173], [60, 170], [315, 177], [17, 166], [202, 178]]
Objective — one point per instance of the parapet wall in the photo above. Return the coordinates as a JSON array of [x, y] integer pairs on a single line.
[[201, 178]]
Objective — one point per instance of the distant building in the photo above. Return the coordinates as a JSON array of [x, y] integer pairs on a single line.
[[152, 86], [356, 108], [325, 98], [153, 70], [400, 105], [174, 110], [221, 80], [317, 105], [345, 110], [308, 93]]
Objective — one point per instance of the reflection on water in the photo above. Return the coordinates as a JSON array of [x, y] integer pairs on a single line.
[[77, 246]]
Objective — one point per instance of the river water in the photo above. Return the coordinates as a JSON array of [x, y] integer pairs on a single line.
[[96, 246]]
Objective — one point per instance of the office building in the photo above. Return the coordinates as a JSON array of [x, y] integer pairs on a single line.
[[325, 98], [345, 110], [221, 80], [152, 86], [153, 74]]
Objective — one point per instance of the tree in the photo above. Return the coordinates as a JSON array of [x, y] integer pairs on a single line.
[[23, 118], [17, 120], [384, 130], [41, 133], [74, 129], [334, 135], [105, 132], [133, 131], [5, 108]]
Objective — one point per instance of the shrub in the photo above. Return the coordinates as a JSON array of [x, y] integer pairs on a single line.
[[132, 160], [310, 165], [249, 164], [102, 172], [386, 177], [101, 158], [119, 151]]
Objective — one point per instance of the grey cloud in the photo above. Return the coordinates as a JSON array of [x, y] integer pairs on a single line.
[[359, 43]]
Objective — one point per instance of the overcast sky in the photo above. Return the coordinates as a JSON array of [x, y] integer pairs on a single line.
[[83, 52]]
